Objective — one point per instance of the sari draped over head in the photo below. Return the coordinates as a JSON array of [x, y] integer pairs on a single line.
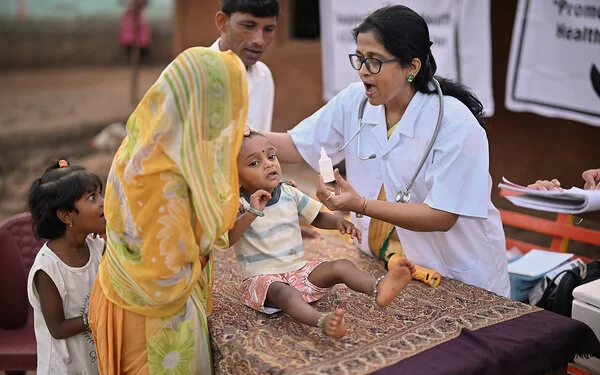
[[171, 197]]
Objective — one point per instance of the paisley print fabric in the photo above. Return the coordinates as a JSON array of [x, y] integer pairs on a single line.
[[245, 341]]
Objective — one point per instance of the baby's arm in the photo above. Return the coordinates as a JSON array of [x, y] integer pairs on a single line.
[[258, 201], [52, 309], [325, 220], [242, 222]]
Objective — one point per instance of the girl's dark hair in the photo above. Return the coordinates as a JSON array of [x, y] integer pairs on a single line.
[[257, 8], [58, 189], [404, 33]]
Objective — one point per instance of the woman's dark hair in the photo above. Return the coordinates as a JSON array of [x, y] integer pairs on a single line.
[[58, 189], [257, 8], [404, 33]]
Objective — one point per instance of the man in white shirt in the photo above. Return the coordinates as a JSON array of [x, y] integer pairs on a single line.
[[247, 27]]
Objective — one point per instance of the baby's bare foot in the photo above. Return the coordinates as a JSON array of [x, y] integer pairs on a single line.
[[333, 324], [394, 281]]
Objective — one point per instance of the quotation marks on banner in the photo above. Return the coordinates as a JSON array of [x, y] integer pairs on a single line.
[[595, 78]]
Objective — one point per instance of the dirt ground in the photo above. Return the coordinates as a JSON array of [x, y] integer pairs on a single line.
[[54, 101], [52, 114]]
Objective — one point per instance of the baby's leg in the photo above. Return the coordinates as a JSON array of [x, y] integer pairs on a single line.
[[343, 271], [394, 281], [289, 299]]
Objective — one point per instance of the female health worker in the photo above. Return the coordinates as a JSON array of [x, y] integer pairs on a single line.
[[450, 224]]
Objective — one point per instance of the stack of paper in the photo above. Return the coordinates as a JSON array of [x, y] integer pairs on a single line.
[[569, 201], [526, 272], [537, 262]]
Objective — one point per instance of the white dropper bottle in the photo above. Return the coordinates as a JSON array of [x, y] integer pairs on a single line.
[[326, 167]]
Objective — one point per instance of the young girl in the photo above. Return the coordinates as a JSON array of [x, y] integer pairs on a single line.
[[67, 209], [270, 246]]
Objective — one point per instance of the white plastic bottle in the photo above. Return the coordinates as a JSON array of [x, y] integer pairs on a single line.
[[326, 167]]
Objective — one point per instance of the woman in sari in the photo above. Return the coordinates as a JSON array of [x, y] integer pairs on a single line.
[[171, 196]]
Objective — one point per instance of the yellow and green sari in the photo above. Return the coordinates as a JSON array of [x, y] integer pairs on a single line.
[[171, 197]]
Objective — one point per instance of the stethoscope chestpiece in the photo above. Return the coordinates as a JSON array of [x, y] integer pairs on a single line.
[[403, 197]]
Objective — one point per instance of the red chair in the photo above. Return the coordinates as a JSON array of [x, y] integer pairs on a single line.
[[561, 231], [18, 248]]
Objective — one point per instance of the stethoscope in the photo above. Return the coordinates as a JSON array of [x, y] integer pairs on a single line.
[[401, 196]]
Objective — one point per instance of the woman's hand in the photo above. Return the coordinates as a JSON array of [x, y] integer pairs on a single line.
[[592, 179], [553, 185], [341, 198], [346, 227], [259, 199]]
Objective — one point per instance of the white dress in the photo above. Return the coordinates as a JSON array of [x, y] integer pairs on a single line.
[[76, 354]]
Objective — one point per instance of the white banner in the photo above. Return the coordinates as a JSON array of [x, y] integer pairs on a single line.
[[459, 29], [555, 60]]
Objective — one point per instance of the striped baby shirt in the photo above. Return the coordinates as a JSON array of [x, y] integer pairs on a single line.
[[273, 243]]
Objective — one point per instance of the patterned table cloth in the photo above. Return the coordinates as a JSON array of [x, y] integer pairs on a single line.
[[248, 342]]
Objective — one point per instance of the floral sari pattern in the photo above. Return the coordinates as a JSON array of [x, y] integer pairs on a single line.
[[171, 197]]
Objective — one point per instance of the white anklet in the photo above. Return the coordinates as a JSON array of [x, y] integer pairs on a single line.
[[320, 324], [375, 288]]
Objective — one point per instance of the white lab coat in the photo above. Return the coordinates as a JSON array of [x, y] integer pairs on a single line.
[[454, 178]]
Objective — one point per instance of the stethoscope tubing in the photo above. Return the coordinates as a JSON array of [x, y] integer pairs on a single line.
[[402, 196]]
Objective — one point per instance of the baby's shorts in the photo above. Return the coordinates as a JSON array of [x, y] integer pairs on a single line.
[[254, 289]]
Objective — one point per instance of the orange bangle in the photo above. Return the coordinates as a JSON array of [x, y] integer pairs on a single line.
[[364, 207]]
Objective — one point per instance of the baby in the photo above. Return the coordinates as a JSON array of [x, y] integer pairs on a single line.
[[269, 247]]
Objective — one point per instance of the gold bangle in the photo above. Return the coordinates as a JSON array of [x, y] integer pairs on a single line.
[[86, 323], [364, 207]]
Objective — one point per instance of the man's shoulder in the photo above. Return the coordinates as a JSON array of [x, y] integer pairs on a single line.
[[260, 69], [215, 45], [262, 66]]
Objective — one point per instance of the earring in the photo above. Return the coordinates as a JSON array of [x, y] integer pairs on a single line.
[[70, 225], [410, 78]]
